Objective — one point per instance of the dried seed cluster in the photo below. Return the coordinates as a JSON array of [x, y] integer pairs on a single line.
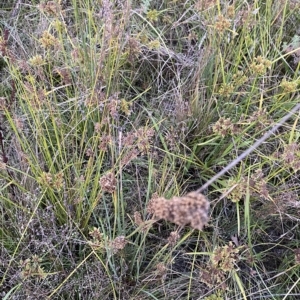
[[257, 185], [223, 261], [32, 267], [118, 243], [190, 209], [222, 24], [108, 183], [173, 238], [55, 181], [100, 242], [144, 227], [223, 127]]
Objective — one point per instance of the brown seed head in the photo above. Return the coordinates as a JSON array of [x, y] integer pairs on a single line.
[[108, 183], [118, 243], [190, 209], [173, 238]]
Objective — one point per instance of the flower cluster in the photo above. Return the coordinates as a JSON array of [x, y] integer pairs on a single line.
[[191, 209], [291, 156], [257, 185], [55, 181], [136, 143], [48, 40], [100, 242], [226, 89], [237, 189], [223, 261], [144, 227], [152, 15], [202, 5], [173, 238], [222, 24], [289, 86], [108, 183], [51, 8], [223, 127], [36, 60], [260, 65], [31, 267]]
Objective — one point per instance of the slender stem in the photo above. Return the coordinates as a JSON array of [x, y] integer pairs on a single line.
[[250, 149]]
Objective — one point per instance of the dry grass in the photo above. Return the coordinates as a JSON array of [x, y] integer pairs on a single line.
[[114, 115]]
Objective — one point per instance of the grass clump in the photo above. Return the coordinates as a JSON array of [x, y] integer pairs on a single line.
[[108, 109]]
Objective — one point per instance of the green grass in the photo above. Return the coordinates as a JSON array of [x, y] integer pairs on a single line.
[[105, 104]]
